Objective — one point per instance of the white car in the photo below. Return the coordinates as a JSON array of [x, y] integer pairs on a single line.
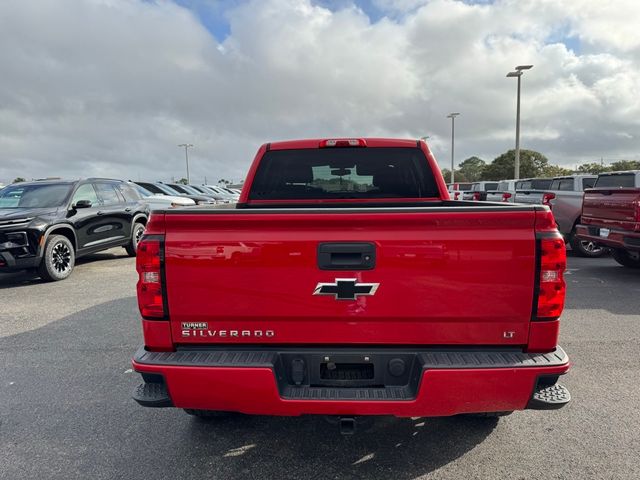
[[457, 190], [506, 192], [158, 201], [233, 197]]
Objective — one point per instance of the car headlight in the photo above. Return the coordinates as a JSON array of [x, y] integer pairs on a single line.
[[15, 240]]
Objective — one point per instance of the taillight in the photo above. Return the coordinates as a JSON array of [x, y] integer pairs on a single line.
[[457, 194], [506, 196], [149, 264], [345, 142], [551, 292], [476, 196], [547, 197]]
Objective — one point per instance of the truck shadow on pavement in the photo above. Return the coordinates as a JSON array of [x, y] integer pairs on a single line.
[[310, 447], [68, 384]]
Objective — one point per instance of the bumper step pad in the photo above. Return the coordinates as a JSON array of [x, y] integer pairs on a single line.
[[152, 395], [549, 397]]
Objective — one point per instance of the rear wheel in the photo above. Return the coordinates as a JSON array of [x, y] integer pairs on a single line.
[[586, 248], [136, 235], [626, 258], [58, 260]]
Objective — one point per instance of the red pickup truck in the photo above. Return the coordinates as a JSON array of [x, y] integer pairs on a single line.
[[346, 283], [611, 216]]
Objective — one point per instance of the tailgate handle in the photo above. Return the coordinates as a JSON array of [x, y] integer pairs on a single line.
[[346, 256]]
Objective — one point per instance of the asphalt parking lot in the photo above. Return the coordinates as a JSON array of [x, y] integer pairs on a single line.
[[66, 412]]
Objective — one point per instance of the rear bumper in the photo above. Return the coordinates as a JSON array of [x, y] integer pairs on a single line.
[[623, 239], [436, 383]]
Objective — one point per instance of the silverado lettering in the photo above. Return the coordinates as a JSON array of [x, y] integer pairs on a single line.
[[230, 333], [387, 297]]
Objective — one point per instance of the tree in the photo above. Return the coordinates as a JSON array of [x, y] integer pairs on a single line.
[[183, 181], [532, 164], [556, 171], [458, 176], [224, 181], [472, 168], [593, 168], [625, 165], [18, 180]]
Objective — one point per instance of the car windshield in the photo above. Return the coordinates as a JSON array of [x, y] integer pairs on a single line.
[[191, 190], [169, 190], [141, 190], [34, 196]]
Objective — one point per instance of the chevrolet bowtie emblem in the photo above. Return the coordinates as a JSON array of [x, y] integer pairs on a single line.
[[346, 288]]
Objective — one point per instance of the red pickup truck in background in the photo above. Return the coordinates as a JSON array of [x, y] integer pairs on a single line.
[[360, 289], [611, 216]]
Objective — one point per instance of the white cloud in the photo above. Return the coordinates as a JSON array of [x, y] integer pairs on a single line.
[[111, 87]]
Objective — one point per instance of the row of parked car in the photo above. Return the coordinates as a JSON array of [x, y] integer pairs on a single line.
[[46, 225], [595, 213]]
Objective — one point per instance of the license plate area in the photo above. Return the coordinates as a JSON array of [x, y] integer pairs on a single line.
[[346, 371], [604, 232]]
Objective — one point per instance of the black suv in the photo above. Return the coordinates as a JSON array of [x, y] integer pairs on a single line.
[[46, 225]]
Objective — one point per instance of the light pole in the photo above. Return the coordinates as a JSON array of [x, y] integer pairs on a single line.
[[452, 116], [187, 146], [518, 73]]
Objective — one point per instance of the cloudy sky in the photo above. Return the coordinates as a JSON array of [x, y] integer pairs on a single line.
[[110, 87]]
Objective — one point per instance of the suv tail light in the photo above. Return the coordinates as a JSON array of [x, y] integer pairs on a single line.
[[547, 197], [150, 265], [456, 195], [506, 196], [551, 285], [476, 196]]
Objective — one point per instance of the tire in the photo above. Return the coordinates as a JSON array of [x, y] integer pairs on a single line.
[[58, 260], [136, 234], [626, 258], [586, 248]]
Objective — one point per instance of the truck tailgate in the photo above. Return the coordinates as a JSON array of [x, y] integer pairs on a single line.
[[615, 207], [444, 277]]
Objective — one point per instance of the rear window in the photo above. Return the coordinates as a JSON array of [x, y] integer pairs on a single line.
[[615, 181], [535, 184], [562, 184], [479, 187], [327, 173], [503, 186], [588, 182]]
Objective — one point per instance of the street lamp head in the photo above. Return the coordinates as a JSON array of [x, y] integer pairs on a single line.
[[523, 67], [453, 115], [186, 145], [514, 74]]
